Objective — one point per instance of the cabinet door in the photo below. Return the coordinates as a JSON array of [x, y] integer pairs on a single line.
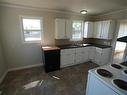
[[78, 58], [106, 56], [60, 29], [88, 29], [67, 60], [68, 29], [105, 29], [92, 53], [98, 55], [97, 29], [85, 32], [81, 55], [85, 55]]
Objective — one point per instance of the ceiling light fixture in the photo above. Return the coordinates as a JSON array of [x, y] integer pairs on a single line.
[[83, 12]]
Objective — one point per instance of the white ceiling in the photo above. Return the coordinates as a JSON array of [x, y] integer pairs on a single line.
[[92, 6]]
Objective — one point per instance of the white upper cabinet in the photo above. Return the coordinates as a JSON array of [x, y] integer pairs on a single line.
[[103, 29], [122, 29], [68, 29], [62, 29], [72, 29], [97, 29], [88, 29]]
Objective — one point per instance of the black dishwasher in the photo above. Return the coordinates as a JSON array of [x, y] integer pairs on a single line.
[[52, 60]]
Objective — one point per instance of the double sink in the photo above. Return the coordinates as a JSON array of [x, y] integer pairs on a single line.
[[83, 45], [73, 46]]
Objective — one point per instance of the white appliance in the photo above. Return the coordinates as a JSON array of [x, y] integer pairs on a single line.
[[108, 80]]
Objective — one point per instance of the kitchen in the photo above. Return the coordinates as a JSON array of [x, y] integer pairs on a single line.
[[21, 59]]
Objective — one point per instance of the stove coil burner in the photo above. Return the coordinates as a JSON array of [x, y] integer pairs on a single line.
[[124, 64], [120, 83], [116, 66], [104, 73], [125, 71]]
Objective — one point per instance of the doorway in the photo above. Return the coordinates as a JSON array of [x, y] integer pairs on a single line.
[[120, 53]]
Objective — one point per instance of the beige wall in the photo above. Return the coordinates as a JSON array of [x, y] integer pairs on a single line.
[[20, 54], [2, 63], [17, 53]]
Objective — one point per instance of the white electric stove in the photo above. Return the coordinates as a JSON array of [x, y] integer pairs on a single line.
[[108, 80]]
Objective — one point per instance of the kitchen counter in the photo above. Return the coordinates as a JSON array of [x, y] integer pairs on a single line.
[[83, 45], [50, 48], [65, 55]]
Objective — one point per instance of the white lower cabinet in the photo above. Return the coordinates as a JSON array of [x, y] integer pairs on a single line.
[[97, 87], [81, 55], [67, 57], [78, 58], [100, 56], [75, 56], [85, 55], [67, 60], [91, 53]]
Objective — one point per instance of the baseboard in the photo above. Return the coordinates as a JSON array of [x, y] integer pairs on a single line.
[[25, 67], [3, 76], [18, 68]]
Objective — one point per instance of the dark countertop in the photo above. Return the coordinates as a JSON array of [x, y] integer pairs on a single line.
[[122, 39], [101, 46], [83, 45]]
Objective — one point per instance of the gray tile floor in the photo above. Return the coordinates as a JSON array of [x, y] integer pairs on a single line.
[[34, 81]]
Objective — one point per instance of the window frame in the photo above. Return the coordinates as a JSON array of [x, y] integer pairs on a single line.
[[80, 39], [22, 29]]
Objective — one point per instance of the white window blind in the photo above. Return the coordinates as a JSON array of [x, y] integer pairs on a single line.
[[31, 28]]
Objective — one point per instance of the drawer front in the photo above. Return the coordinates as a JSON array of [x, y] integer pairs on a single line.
[[67, 51]]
